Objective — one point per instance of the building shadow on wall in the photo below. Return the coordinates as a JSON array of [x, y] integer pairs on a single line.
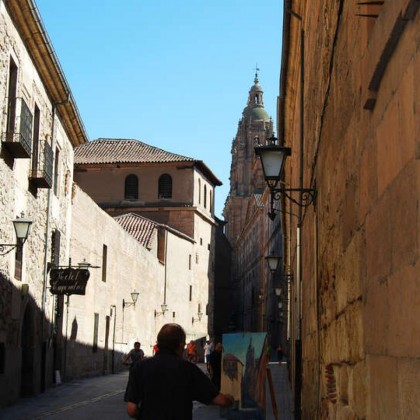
[[32, 347]]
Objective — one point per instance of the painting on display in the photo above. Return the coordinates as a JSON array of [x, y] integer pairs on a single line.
[[244, 366]]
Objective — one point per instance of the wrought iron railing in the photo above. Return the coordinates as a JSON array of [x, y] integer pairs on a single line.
[[42, 171], [18, 136]]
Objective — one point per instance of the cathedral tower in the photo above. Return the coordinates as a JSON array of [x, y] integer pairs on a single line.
[[246, 177]]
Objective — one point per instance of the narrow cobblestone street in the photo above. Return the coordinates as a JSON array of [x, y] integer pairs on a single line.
[[102, 397]]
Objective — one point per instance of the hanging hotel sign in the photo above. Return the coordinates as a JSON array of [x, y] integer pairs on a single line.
[[68, 281]]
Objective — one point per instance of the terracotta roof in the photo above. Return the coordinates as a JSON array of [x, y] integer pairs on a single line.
[[112, 151], [123, 151], [142, 229]]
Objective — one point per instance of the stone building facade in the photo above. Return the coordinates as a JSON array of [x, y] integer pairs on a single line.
[[250, 233], [125, 175], [166, 258], [40, 126], [360, 241]]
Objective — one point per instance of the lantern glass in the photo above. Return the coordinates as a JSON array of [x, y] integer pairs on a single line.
[[134, 296], [22, 228]]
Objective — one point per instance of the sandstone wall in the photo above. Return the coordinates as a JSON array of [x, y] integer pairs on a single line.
[[360, 242]]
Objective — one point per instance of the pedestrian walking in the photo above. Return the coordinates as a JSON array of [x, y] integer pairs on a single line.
[[164, 386], [192, 352], [208, 349], [135, 355]]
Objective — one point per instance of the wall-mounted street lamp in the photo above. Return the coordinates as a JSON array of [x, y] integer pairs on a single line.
[[22, 228], [134, 297], [273, 157], [273, 262], [199, 316], [164, 308]]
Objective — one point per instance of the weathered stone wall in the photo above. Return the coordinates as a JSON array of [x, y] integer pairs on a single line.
[[130, 267], [360, 247], [25, 322]]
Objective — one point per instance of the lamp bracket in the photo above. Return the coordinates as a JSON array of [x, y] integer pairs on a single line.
[[125, 303], [160, 313], [4, 246], [308, 195]]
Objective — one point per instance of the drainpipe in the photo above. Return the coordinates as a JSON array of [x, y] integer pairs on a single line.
[[48, 227]]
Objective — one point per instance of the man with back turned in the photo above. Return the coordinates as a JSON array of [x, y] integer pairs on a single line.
[[164, 386]]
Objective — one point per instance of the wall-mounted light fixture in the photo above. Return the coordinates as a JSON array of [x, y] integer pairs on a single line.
[[134, 297], [164, 308], [273, 262], [199, 316], [86, 265], [273, 158], [23, 229]]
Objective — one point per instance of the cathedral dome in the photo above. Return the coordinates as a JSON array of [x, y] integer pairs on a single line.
[[255, 108], [256, 113]]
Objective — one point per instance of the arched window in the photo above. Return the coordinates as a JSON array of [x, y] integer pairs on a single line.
[[131, 191], [165, 186]]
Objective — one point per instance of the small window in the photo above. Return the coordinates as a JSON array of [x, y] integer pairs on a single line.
[[161, 245], [35, 144], [190, 293], [199, 191], [56, 172], [55, 247], [11, 106], [104, 262], [205, 196], [131, 191], [165, 186], [189, 262], [95, 333]]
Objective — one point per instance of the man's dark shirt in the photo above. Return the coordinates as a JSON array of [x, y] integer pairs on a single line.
[[166, 385]]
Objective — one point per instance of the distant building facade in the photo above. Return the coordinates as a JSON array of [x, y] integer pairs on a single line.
[[250, 234], [125, 175]]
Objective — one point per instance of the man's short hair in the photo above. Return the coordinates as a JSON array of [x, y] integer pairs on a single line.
[[170, 337], [137, 343]]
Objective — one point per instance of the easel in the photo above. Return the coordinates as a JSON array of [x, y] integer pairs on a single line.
[[272, 394]]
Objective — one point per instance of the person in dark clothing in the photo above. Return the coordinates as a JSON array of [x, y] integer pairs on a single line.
[[135, 355], [215, 361], [164, 386]]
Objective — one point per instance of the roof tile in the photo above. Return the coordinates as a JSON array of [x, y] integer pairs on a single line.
[[142, 229], [123, 151]]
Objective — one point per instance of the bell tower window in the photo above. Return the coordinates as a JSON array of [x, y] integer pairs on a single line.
[[131, 191], [165, 186]]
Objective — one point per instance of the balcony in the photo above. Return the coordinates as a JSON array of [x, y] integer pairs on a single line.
[[18, 137], [42, 171]]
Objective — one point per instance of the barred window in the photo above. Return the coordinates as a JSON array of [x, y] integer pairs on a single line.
[[165, 186], [131, 191]]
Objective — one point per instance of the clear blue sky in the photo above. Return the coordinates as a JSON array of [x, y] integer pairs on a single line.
[[174, 74]]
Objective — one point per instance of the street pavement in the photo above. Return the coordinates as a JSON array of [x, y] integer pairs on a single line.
[[102, 397]]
